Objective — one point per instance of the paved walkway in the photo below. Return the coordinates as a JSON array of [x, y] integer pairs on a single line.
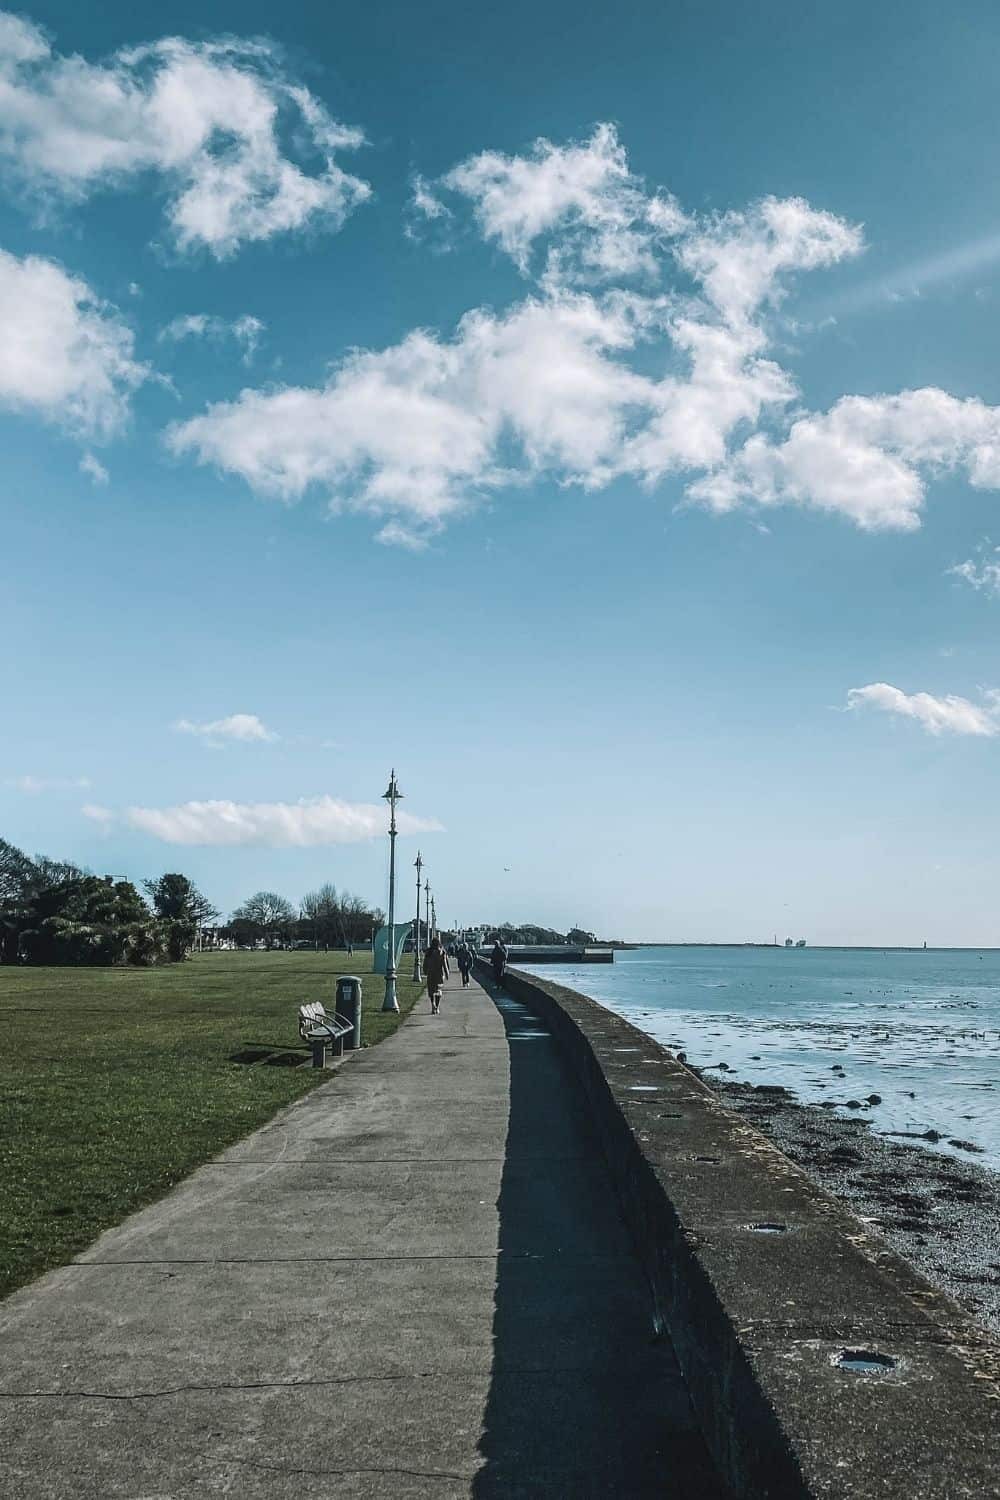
[[413, 1283]]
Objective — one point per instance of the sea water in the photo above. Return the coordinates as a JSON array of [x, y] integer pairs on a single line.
[[920, 1028]]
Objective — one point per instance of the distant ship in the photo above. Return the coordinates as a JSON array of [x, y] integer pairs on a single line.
[[800, 944]]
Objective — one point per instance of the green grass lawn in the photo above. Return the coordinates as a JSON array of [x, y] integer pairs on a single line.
[[116, 1083]]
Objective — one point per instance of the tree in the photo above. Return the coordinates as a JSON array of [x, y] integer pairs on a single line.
[[52, 912], [321, 915], [267, 915], [180, 904], [16, 873], [91, 919], [23, 883]]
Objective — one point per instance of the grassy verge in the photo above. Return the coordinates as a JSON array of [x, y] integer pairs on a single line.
[[116, 1083]]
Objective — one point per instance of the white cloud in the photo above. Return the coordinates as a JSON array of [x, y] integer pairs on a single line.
[[413, 430], [64, 354], [246, 330], [394, 534], [34, 785], [306, 823], [947, 715], [93, 467], [578, 385], [981, 572], [426, 202], [245, 728], [865, 458], [609, 225], [583, 385], [740, 259], [215, 120], [727, 383], [98, 814]]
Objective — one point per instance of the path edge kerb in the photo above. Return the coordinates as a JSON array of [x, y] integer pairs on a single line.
[[757, 1319]]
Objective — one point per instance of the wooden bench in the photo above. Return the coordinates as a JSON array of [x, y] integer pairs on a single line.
[[321, 1030]]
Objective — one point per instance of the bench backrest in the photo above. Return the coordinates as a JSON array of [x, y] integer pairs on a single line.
[[313, 1011]]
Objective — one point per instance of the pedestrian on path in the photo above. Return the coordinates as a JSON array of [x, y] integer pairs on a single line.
[[498, 958], [464, 956], [436, 971]]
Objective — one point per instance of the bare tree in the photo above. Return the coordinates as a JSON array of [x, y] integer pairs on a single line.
[[267, 915], [321, 910]]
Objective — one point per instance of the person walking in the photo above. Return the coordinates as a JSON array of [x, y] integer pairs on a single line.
[[436, 971], [464, 956], [498, 958]]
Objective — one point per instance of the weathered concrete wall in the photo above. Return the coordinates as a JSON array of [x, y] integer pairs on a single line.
[[760, 1317]]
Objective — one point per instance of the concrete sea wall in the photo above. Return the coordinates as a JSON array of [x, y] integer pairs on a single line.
[[819, 1362]]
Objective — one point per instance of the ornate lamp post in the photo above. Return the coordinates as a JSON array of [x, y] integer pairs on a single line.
[[434, 917], [391, 795], [418, 864], [427, 911]]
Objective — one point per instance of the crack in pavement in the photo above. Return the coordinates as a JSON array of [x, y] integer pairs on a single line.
[[519, 1372], [257, 1463], [562, 1258]]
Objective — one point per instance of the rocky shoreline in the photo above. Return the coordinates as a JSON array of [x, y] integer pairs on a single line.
[[940, 1213]]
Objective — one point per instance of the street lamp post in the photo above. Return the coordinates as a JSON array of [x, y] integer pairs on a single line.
[[434, 916], [392, 796], [418, 864], [427, 911]]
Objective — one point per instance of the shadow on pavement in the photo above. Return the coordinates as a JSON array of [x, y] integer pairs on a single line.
[[583, 1401]]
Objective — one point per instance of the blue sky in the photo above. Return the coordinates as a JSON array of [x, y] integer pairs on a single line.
[[632, 493]]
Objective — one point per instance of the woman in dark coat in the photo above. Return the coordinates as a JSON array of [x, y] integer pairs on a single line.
[[464, 956], [436, 971], [498, 958]]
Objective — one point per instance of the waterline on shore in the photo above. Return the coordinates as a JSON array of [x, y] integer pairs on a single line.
[[909, 1041]]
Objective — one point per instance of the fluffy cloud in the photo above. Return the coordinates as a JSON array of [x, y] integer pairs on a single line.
[[596, 375], [609, 226], [244, 728], [210, 118], [948, 715], [740, 258], [309, 822], [64, 354], [866, 458], [592, 377], [415, 430], [246, 330]]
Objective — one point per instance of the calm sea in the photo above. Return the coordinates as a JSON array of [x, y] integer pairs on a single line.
[[921, 1029]]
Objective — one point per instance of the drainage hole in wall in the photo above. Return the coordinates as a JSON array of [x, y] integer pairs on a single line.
[[767, 1228], [863, 1362], [714, 1160]]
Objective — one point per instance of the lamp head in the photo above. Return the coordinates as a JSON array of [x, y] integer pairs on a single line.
[[392, 792]]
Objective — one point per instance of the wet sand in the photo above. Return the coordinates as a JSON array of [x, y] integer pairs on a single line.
[[940, 1213]]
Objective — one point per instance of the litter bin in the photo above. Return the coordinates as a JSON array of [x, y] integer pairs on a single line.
[[349, 1006]]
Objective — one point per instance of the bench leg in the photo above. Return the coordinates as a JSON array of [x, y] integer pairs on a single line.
[[319, 1053]]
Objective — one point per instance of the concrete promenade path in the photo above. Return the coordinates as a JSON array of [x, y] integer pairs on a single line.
[[412, 1283]]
